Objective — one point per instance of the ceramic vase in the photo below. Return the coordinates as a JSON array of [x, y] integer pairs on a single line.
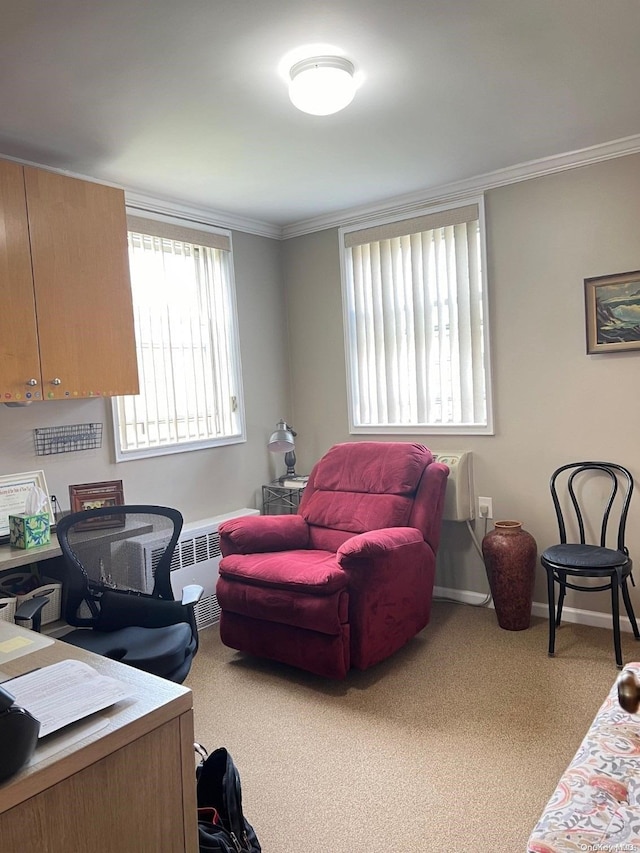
[[510, 555]]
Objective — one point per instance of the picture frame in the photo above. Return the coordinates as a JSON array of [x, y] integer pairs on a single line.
[[85, 496], [14, 490], [612, 312]]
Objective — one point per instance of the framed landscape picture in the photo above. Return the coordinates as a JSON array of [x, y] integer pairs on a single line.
[[612, 312]]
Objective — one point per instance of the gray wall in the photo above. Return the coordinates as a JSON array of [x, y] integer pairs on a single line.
[[200, 483], [553, 403]]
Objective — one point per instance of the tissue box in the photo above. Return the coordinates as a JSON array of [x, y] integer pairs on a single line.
[[29, 531]]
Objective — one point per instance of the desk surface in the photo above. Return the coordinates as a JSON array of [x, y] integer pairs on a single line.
[[12, 558], [154, 702]]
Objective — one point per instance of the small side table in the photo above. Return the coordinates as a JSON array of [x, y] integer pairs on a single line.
[[280, 500]]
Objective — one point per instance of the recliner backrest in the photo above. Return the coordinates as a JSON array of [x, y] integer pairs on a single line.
[[362, 486]]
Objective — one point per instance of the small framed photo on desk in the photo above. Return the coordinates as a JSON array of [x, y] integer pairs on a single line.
[[96, 495]]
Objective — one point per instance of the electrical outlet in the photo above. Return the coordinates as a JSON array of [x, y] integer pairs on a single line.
[[485, 507]]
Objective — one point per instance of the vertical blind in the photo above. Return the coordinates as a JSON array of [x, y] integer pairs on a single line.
[[185, 327], [415, 339]]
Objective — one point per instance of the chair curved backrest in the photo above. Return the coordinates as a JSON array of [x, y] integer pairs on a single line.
[[116, 549], [614, 505]]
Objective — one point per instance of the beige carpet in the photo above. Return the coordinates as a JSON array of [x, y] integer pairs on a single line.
[[453, 745]]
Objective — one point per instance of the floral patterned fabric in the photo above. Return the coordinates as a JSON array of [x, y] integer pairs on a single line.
[[596, 805]]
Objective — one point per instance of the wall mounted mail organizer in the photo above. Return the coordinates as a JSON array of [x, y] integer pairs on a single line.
[[66, 439]]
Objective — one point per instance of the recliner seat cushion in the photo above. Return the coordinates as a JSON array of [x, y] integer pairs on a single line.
[[306, 589], [312, 572]]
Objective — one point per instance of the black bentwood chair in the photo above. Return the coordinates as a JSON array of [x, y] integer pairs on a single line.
[[117, 588], [611, 493]]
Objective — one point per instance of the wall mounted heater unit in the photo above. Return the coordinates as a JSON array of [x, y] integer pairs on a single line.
[[195, 560], [459, 501]]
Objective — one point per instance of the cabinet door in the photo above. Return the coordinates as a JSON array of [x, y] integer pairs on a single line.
[[78, 235], [19, 361]]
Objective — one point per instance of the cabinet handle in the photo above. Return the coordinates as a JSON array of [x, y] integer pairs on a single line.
[[56, 381], [32, 382]]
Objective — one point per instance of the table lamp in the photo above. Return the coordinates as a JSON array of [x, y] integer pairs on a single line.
[[282, 441]]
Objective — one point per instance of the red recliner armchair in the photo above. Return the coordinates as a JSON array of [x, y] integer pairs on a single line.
[[349, 579]]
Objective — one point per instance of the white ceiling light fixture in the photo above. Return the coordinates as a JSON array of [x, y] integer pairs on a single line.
[[322, 85]]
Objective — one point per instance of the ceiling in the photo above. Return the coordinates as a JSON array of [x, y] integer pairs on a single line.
[[185, 100]]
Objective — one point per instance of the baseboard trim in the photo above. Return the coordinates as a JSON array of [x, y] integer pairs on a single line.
[[464, 596], [569, 614]]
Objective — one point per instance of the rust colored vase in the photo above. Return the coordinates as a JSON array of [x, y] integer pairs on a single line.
[[510, 555]]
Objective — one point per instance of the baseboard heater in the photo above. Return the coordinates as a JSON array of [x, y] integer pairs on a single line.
[[195, 560]]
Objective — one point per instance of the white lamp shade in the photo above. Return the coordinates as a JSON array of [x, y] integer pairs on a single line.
[[322, 85]]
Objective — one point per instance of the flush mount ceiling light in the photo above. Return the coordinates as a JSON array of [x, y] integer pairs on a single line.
[[322, 85]]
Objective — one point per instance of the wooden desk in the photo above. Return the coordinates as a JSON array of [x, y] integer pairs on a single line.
[[13, 558], [129, 786]]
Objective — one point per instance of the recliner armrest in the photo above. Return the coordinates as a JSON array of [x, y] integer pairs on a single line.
[[253, 534], [377, 543]]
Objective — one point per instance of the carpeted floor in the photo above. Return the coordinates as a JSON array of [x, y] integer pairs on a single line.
[[453, 745]]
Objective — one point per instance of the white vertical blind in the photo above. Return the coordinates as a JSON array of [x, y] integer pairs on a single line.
[[416, 322], [187, 347]]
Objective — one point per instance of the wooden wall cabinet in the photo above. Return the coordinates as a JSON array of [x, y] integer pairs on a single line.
[[66, 324]]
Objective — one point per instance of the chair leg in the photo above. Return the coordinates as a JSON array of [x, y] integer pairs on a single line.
[[563, 591], [629, 608], [615, 611], [552, 612]]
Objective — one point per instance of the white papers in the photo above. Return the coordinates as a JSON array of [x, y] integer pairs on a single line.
[[64, 692]]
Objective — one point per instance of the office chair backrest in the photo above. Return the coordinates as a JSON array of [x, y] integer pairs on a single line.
[[124, 548], [613, 501]]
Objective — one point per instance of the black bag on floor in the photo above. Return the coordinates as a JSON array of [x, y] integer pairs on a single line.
[[222, 825]]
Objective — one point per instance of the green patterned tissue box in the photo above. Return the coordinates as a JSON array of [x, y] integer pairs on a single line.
[[29, 531]]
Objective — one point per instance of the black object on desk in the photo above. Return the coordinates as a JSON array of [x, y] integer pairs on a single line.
[[18, 735]]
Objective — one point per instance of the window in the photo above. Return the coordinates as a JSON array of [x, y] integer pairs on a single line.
[[187, 343], [416, 324]]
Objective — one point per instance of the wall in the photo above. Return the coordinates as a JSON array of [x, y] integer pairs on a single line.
[[199, 483], [553, 403]]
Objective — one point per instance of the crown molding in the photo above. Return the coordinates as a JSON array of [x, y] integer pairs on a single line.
[[461, 189], [399, 205], [143, 203]]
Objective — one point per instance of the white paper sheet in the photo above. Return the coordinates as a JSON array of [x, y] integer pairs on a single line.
[[64, 692]]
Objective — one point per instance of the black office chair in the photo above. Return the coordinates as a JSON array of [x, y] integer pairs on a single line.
[[117, 588], [581, 559]]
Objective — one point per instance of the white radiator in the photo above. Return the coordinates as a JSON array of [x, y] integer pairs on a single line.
[[195, 560]]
